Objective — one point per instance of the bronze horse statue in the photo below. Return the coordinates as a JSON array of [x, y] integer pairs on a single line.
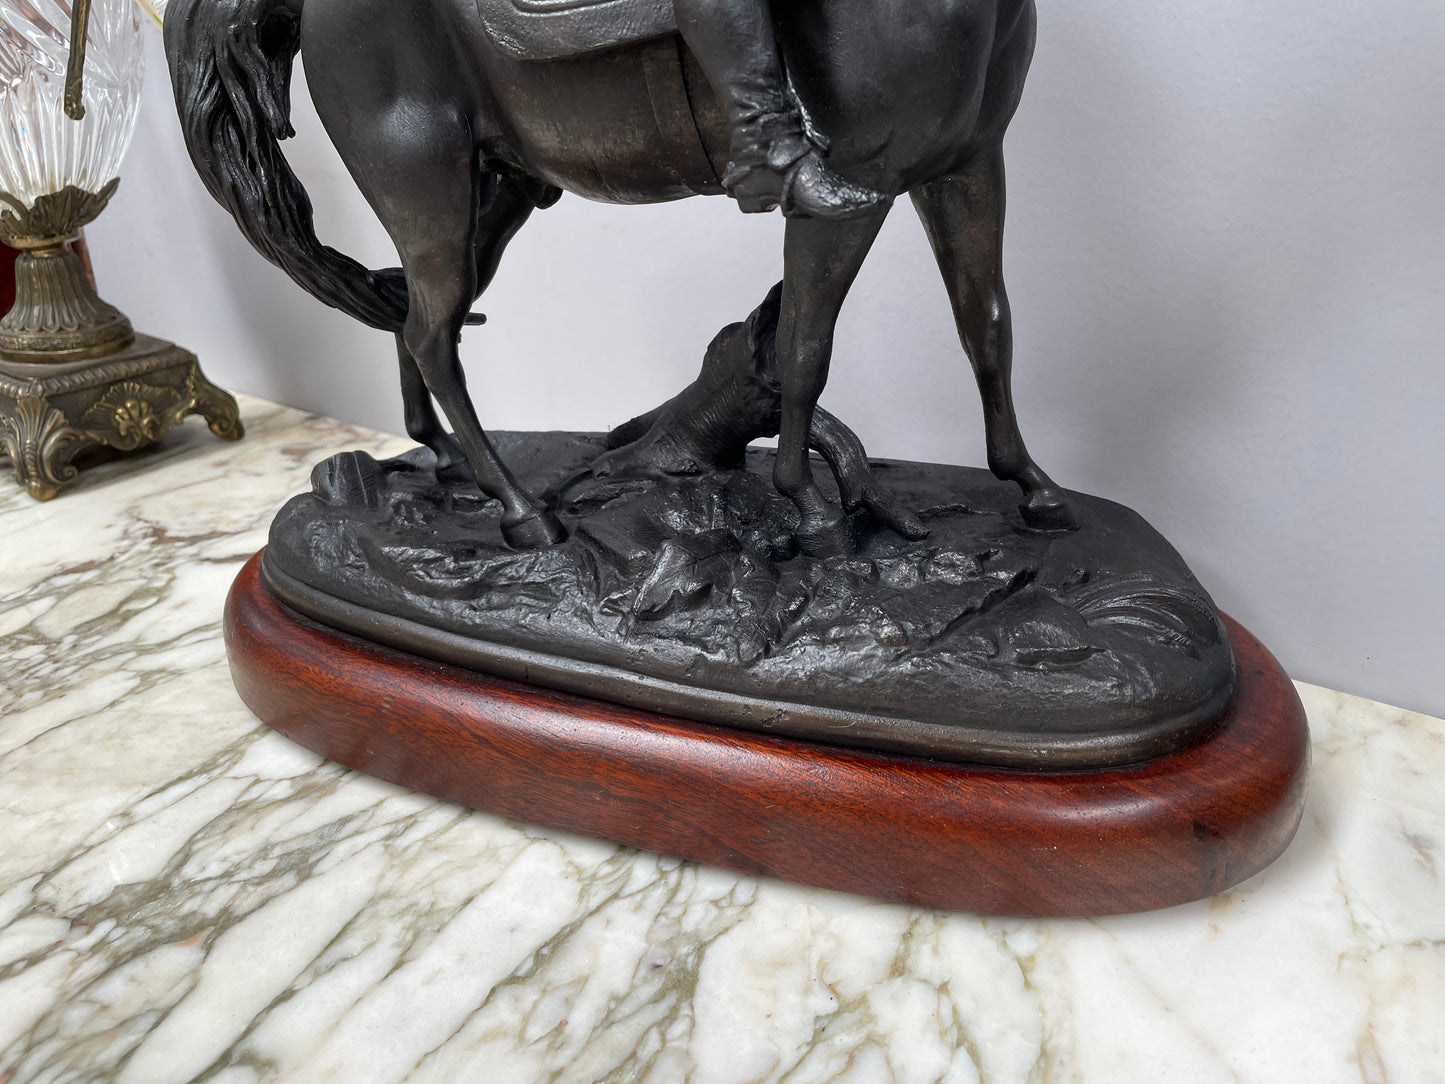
[[454, 142]]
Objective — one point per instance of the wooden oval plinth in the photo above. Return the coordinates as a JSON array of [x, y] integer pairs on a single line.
[[1177, 829]]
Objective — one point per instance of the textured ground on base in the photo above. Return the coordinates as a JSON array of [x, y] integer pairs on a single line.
[[984, 642]]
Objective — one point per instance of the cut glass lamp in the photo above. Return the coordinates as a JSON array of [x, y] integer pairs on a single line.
[[74, 375], [57, 173]]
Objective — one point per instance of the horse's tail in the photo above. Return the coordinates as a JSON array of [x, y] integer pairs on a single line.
[[230, 63]]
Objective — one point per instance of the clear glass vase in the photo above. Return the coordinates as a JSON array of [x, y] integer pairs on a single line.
[[57, 173], [42, 151]]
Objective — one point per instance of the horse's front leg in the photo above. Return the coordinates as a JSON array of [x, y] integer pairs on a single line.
[[821, 260], [964, 217]]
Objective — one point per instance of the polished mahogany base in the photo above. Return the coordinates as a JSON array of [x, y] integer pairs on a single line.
[[1176, 829]]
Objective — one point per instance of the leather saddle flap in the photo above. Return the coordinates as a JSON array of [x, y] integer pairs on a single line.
[[552, 29]]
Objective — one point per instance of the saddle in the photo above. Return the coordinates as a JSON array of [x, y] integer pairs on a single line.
[[554, 29]]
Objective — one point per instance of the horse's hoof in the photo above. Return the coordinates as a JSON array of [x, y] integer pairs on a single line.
[[455, 472], [821, 537], [534, 532], [452, 467], [1048, 511]]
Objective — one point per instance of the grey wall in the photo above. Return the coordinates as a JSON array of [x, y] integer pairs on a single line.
[[1226, 254]]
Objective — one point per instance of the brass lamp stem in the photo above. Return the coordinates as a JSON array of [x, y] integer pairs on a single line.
[[75, 69], [58, 316]]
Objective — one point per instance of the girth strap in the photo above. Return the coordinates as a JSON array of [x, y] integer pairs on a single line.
[[664, 62]]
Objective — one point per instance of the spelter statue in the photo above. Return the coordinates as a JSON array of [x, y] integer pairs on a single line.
[[905, 607], [886, 628]]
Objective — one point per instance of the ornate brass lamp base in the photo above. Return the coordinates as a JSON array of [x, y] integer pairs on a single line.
[[126, 400], [73, 373]]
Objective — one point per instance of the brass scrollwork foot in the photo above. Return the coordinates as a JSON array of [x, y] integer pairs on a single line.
[[216, 406], [127, 400], [41, 446]]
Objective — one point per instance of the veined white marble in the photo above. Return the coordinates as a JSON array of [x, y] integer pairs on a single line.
[[185, 895]]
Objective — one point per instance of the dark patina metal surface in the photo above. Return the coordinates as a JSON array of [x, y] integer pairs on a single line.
[[908, 100], [984, 642], [905, 607]]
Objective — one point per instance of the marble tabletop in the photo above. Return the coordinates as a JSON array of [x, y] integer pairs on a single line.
[[187, 896]]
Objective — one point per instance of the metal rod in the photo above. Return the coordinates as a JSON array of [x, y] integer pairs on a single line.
[[75, 70]]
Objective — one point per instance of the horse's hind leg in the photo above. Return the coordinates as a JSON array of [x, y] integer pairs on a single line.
[[422, 423], [506, 209], [964, 217], [821, 259], [430, 206]]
